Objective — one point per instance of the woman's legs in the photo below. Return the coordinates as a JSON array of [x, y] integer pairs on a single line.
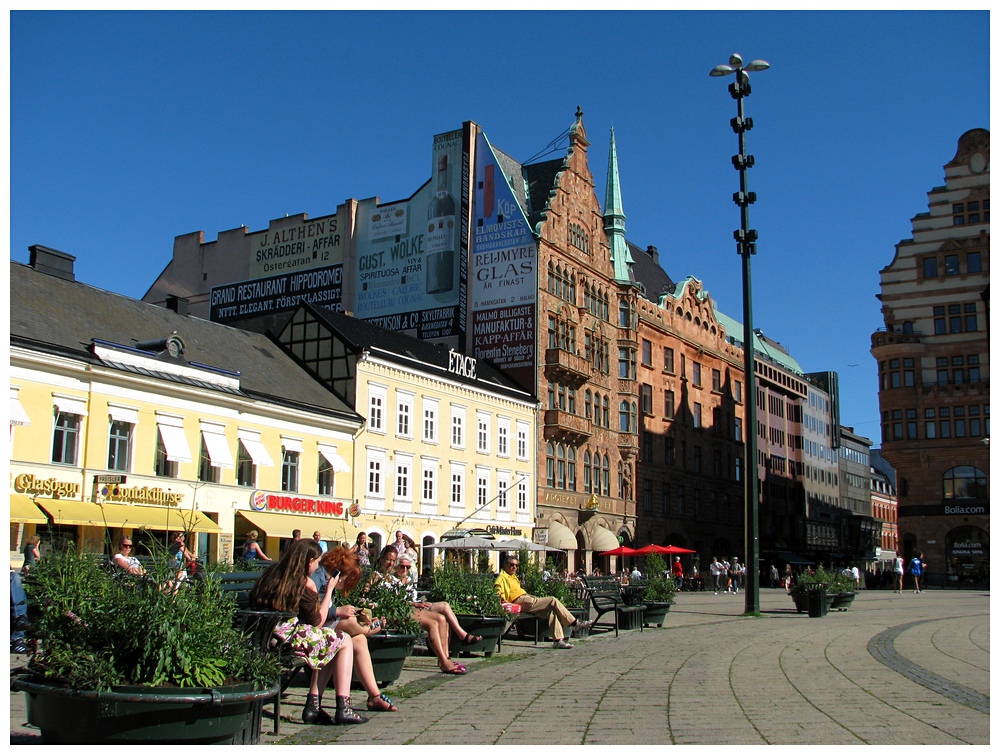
[[444, 608], [363, 666], [437, 636]]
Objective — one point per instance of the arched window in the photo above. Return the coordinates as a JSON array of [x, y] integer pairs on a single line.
[[607, 412], [907, 327], [551, 287], [623, 426], [606, 474], [586, 405], [571, 468], [560, 467], [587, 487], [964, 482], [550, 464]]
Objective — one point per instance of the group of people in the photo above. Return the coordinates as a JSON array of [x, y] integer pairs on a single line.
[[727, 576]]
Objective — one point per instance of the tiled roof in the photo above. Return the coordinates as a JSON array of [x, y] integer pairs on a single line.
[[55, 315], [650, 274]]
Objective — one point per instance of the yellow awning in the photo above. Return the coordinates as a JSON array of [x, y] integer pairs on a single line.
[[23, 510], [603, 540], [72, 512], [122, 515], [561, 536], [158, 518], [281, 525]]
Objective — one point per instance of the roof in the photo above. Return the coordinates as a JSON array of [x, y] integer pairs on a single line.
[[55, 315], [768, 350], [414, 354], [648, 272]]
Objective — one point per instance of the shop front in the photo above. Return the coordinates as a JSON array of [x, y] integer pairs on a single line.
[[276, 516]]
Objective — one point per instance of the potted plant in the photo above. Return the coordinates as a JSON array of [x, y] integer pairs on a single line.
[[117, 659], [389, 649], [843, 588], [820, 579], [476, 605], [658, 590]]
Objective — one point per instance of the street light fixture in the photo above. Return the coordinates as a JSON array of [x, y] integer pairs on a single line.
[[746, 245]]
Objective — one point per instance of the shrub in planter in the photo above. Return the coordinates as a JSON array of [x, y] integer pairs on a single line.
[[93, 632], [657, 588], [384, 600], [468, 592], [534, 582]]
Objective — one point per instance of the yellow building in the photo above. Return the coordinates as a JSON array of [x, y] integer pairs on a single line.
[[132, 418], [449, 441]]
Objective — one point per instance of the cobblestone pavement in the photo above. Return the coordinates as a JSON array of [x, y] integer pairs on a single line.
[[893, 670]]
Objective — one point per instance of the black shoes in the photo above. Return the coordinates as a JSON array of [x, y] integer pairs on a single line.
[[345, 713]]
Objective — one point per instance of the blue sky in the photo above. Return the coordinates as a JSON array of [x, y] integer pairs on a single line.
[[128, 129]]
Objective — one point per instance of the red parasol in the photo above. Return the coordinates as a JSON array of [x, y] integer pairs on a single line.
[[621, 550], [664, 549]]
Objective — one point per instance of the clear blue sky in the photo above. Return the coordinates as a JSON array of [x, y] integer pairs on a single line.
[[128, 129]]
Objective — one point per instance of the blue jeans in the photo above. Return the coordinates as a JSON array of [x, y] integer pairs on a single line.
[[18, 604]]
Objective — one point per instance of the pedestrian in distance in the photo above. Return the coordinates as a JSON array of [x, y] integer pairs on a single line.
[[774, 576], [897, 575], [917, 567]]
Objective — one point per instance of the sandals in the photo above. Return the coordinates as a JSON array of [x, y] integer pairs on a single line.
[[382, 702], [472, 639], [457, 670]]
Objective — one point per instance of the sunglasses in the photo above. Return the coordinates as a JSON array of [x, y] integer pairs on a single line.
[[126, 545], [514, 564]]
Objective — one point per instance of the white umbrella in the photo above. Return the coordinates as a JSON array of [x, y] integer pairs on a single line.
[[515, 545], [471, 543]]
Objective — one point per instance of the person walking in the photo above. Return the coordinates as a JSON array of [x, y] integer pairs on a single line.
[[897, 575], [917, 567], [677, 570], [774, 576], [715, 571]]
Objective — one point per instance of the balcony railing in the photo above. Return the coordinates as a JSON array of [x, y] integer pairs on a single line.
[[562, 366], [565, 427]]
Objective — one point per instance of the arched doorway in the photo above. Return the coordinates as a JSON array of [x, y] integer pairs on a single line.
[[967, 550]]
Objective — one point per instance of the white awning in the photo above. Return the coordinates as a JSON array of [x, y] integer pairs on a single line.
[[251, 442], [561, 536], [17, 414], [174, 442], [336, 461], [123, 414], [215, 443], [291, 444], [603, 540], [70, 405]]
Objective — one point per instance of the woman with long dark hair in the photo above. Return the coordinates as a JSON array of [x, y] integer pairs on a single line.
[[286, 586]]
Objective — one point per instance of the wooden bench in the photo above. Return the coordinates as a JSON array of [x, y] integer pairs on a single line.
[[239, 583], [537, 627], [606, 597]]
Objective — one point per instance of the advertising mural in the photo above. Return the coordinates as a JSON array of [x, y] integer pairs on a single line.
[[504, 273], [310, 244], [279, 293], [411, 267]]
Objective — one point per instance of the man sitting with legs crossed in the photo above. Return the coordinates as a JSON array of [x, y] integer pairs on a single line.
[[509, 588]]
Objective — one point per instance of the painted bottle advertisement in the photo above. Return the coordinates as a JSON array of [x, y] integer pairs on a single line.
[[440, 240]]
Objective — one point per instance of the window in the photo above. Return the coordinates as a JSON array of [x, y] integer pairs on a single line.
[[324, 477], [458, 488], [951, 264], [669, 404], [647, 353], [697, 459], [647, 446], [246, 472], [965, 482], [503, 437], [664, 498], [625, 314], [457, 428], [430, 421], [482, 433], [738, 469], [954, 319], [738, 428], [647, 495], [522, 440], [626, 363], [206, 471], [738, 391], [404, 415], [376, 410], [120, 446], [403, 490], [670, 454], [696, 374], [697, 414], [939, 322], [375, 476], [606, 475], [668, 359], [623, 417], [973, 362], [717, 381], [973, 262], [522, 493], [578, 238], [971, 321], [482, 490], [65, 438], [647, 399], [289, 470], [503, 483], [428, 492]]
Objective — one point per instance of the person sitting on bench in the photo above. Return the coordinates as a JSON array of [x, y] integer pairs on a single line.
[[509, 588]]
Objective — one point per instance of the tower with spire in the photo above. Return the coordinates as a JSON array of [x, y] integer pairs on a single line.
[[614, 220]]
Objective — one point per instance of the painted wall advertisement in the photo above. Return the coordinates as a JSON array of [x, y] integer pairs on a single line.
[[504, 273], [411, 268], [288, 265]]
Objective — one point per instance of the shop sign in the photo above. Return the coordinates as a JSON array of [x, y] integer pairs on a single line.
[[968, 548], [157, 496], [28, 483], [261, 501], [973, 507], [506, 531]]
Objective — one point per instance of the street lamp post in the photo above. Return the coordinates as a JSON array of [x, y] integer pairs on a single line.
[[746, 245]]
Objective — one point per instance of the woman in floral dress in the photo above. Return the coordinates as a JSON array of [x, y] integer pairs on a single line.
[[286, 586]]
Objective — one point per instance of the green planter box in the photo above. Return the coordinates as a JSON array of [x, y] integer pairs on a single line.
[[842, 601], [655, 613], [389, 652], [144, 715], [490, 627]]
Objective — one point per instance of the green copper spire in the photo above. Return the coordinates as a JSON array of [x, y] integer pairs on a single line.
[[614, 220]]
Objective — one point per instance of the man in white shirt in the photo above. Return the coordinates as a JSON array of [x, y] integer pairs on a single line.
[[318, 537]]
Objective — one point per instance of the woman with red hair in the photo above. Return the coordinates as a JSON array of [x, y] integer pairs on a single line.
[[286, 586], [346, 561]]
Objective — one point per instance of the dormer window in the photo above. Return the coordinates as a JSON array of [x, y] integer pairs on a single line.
[[578, 238]]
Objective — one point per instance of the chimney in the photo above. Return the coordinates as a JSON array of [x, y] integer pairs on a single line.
[[52, 262], [177, 304], [651, 251]]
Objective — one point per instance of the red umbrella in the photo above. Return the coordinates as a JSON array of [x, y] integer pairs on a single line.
[[664, 549], [621, 550]]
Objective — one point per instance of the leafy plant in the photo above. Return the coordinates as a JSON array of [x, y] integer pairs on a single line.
[[658, 586], [385, 600], [833, 581], [536, 583], [467, 592], [94, 629]]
